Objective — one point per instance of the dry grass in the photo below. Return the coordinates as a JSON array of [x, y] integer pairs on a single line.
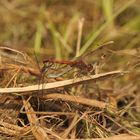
[[103, 104], [46, 111]]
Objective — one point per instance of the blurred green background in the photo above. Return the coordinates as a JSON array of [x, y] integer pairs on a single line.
[[50, 27]]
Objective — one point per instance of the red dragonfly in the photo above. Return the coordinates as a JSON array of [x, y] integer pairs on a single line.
[[83, 67]]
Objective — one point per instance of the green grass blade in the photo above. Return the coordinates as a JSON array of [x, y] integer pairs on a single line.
[[58, 54], [108, 9], [98, 32], [39, 29], [38, 37]]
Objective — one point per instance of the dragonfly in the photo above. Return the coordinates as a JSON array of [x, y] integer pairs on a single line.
[[64, 66], [79, 63]]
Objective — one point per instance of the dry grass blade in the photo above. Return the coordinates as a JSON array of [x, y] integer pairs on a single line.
[[7, 131], [11, 129], [120, 125], [70, 82], [13, 54], [80, 100], [6, 49], [120, 137], [37, 131], [49, 113], [117, 137], [80, 29], [68, 130]]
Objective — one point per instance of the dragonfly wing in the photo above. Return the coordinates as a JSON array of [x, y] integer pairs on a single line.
[[67, 69]]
